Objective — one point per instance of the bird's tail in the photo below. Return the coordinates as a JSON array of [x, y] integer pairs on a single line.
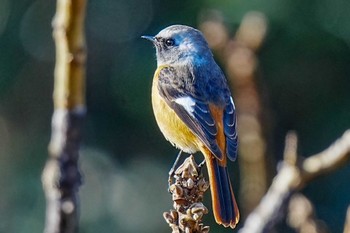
[[223, 200]]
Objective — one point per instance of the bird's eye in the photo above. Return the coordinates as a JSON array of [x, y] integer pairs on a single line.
[[169, 42]]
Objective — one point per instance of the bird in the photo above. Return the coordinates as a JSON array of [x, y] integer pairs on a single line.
[[194, 109]]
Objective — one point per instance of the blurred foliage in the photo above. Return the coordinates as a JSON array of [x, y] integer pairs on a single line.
[[304, 68]]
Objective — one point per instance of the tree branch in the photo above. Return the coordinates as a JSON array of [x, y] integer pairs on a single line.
[[61, 177], [292, 177]]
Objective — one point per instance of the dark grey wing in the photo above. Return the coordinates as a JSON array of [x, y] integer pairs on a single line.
[[189, 107], [230, 123]]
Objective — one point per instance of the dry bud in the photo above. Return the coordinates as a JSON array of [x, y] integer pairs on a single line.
[[187, 193]]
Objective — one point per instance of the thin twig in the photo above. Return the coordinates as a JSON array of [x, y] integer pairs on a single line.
[[61, 177], [290, 149], [347, 222]]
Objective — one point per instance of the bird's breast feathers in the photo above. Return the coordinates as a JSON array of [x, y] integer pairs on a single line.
[[172, 127], [191, 116]]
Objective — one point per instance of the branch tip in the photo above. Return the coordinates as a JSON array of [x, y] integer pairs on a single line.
[[187, 195], [291, 147]]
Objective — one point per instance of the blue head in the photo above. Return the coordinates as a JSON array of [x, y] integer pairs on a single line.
[[180, 44]]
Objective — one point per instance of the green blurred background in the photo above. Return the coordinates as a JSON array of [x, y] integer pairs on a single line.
[[304, 65]]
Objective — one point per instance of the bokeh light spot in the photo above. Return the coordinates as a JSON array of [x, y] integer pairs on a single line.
[[119, 21], [4, 13], [36, 31], [334, 17]]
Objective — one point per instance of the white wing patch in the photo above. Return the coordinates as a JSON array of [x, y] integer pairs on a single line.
[[188, 103], [234, 107]]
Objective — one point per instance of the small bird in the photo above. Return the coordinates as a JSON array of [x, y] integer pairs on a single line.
[[194, 109]]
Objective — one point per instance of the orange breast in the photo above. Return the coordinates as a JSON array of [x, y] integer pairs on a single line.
[[172, 127]]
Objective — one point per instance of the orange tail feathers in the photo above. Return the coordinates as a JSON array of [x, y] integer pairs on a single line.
[[223, 200]]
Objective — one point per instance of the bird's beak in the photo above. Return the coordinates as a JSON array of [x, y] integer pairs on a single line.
[[150, 38]]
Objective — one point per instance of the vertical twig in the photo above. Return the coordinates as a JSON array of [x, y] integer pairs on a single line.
[[347, 222], [61, 177], [290, 154]]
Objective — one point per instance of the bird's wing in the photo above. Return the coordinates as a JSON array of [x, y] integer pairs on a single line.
[[230, 123], [190, 108]]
